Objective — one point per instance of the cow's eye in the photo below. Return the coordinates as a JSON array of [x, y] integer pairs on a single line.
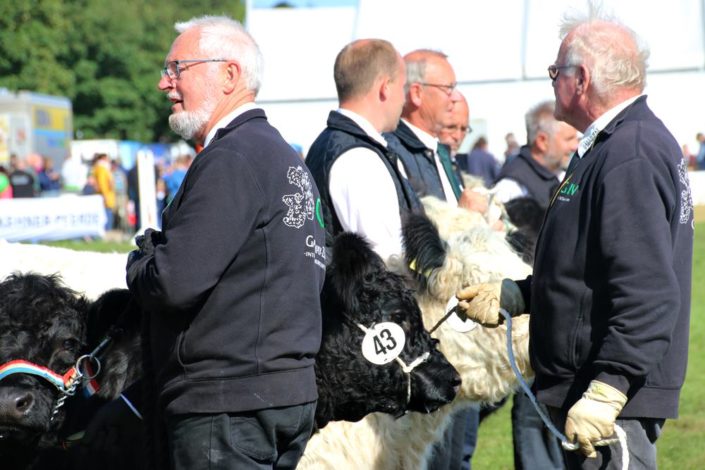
[[71, 345]]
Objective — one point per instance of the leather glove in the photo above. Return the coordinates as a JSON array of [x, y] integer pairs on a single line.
[[481, 302], [591, 420]]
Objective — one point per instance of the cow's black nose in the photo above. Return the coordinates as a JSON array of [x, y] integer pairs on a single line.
[[15, 403], [24, 402]]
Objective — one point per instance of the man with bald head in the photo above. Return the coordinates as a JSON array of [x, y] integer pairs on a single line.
[[362, 187], [610, 292]]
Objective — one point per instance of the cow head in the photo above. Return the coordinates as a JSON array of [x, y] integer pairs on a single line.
[[41, 322], [359, 293], [444, 265]]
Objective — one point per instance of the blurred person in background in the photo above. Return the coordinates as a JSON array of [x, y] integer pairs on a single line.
[[105, 186], [49, 178]]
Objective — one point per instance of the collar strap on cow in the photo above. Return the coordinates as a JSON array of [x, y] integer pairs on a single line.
[[25, 367], [66, 384], [407, 369]]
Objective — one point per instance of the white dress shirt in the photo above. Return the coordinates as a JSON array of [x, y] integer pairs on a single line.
[[364, 196]]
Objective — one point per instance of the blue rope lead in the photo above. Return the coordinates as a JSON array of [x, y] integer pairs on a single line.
[[565, 443]]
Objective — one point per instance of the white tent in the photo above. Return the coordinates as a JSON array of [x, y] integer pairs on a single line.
[[499, 50]]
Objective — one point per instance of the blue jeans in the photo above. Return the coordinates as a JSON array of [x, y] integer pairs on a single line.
[[261, 439], [635, 450]]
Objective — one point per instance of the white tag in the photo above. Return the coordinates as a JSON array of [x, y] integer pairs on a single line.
[[455, 322], [383, 343]]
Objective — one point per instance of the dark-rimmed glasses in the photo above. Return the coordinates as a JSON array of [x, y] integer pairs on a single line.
[[448, 89], [554, 70], [173, 68]]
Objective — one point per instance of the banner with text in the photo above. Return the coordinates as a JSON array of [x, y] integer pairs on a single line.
[[52, 218]]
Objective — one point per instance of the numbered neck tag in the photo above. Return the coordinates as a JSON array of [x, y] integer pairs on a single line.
[[455, 322], [383, 343]]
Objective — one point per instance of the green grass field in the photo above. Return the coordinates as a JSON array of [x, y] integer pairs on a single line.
[[681, 444]]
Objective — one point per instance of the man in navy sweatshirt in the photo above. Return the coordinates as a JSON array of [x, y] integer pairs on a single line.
[[610, 293], [231, 285]]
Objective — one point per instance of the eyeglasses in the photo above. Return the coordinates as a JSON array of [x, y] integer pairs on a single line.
[[448, 89], [173, 69], [554, 70], [456, 128]]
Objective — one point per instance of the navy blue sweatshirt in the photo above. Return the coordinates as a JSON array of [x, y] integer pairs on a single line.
[[233, 290], [610, 292]]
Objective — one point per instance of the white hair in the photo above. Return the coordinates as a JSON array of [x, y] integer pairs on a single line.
[[223, 37], [613, 64]]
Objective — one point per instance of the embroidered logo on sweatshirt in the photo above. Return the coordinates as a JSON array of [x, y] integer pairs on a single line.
[[686, 196], [301, 204], [566, 191]]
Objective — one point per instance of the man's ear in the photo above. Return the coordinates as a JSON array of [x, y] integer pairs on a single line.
[[233, 73], [582, 78], [541, 141], [414, 94]]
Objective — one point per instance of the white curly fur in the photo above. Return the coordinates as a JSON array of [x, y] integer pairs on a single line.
[[475, 254], [88, 273]]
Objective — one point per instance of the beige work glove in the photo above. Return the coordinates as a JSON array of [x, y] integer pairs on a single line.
[[591, 420], [481, 302]]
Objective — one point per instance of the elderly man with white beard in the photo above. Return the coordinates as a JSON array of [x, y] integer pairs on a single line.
[[231, 285]]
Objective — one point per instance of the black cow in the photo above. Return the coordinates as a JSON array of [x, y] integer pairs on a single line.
[[44, 324], [359, 290]]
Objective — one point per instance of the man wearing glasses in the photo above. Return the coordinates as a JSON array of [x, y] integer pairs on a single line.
[[610, 292], [430, 96], [231, 285]]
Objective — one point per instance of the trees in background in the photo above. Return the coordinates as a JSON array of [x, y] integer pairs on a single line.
[[104, 55]]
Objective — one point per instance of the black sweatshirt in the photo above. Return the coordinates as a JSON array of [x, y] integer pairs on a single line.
[[233, 292], [610, 292]]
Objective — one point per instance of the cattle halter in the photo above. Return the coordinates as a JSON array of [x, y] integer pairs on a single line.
[[407, 369], [66, 384]]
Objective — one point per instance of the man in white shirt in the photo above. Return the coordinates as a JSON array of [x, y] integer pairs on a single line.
[[362, 188]]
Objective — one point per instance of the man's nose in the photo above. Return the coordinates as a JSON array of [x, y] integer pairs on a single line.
[[164, 83]]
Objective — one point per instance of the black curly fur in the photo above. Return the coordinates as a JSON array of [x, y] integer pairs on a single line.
[[360, 289], [526, 214], [43, 322]]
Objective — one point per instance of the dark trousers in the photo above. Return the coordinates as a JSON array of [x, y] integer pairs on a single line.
[[635, 449], [262, 439], [534, 445], [454, 450]]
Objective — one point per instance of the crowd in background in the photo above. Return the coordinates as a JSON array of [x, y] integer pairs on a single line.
[[37, 176]]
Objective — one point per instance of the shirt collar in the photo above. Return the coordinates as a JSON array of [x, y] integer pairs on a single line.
[[227, 119], [599, 124], [427, 139], [364, 124]]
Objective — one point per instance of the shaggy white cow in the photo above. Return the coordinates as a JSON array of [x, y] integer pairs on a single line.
[[86, 272], [473, 253]]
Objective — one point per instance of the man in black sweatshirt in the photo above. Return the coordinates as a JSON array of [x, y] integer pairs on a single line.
[[610, 293], [231, 285]]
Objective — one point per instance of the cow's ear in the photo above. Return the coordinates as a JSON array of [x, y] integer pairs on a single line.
[[424, 250], [354, 265]]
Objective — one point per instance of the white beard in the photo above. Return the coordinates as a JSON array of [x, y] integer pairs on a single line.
[[190, 123]]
